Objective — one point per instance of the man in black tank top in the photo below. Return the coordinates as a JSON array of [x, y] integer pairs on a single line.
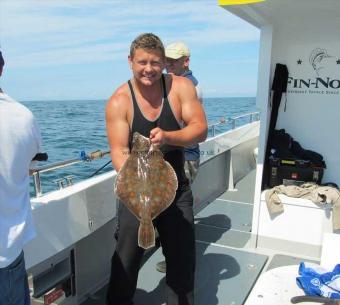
[[156, 106]]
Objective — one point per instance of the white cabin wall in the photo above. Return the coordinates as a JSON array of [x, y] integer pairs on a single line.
[[297, 27], [262, 102], [311, 118], [312, 115]]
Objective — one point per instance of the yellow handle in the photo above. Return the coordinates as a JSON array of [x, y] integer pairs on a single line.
[[237, 2]]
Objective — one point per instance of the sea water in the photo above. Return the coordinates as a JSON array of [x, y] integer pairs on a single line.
[[69, 127]]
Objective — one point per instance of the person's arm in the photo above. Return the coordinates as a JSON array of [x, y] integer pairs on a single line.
[[192, 114], [117, 129], [38, 144]]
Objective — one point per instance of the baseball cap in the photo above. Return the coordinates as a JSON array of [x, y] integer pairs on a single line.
[[177, 50]]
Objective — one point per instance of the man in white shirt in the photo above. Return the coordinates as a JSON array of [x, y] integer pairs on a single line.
[[20, 141]]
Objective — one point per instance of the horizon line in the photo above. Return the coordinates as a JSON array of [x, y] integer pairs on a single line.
[[103, 99]]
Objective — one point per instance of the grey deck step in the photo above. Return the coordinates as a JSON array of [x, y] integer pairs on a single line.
[[223, 276], [221, 236], [279, 260], [227, 214]]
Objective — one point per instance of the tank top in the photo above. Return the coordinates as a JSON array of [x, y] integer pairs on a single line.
[[166, 121]]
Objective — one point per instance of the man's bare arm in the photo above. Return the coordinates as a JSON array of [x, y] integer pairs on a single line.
[[193, 116], [117, 128]]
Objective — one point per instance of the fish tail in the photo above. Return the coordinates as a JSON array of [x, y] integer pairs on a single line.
[[146, 234]]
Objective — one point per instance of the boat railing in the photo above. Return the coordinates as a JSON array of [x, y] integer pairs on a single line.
[[66, 181], [98, 154], [253, 116]]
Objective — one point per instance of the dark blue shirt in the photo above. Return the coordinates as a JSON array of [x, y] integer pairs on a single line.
[[191, 153]]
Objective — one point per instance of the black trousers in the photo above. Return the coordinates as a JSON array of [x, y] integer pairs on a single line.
[[176, 231]]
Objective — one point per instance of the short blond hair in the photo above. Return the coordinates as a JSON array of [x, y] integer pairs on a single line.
[[147, 41]]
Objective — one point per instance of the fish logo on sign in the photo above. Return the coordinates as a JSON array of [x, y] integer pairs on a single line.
[[326, 79], [316, 57]]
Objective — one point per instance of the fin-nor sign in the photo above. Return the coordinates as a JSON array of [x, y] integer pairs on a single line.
[[319, 73]]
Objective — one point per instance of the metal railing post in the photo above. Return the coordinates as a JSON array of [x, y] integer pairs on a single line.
[[37, 184], [233, 123]]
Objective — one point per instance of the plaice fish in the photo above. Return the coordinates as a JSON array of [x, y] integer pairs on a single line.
[[147, 185]]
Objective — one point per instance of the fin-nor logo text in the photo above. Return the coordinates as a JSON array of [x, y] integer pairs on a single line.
[[321, 62]]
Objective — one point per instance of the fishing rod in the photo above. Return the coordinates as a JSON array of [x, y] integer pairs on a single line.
[[99, 169], [83, 157]]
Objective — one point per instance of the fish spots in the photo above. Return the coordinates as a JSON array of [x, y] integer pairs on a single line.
[[147, 185]]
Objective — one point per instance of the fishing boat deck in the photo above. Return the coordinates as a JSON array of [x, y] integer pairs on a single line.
[[225, 271], [227, 265]]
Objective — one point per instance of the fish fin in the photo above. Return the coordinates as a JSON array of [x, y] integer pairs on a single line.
[[146, 235]]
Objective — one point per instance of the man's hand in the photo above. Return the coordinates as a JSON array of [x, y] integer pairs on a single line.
[[158, 136]]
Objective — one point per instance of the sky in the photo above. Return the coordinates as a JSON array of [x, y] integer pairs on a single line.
[[77, 49]]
